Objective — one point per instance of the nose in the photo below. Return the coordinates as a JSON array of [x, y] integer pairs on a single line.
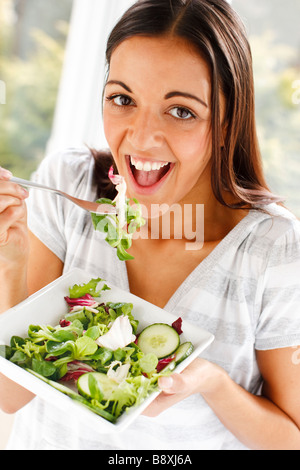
[[145, 131]]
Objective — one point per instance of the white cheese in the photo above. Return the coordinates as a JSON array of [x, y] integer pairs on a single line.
[[119, 335]]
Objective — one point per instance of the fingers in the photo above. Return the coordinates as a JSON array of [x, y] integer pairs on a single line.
[[177, 387], [8, 201], [174, 389], [172, 384], [10, 189], [184, 383], [8, 219], [12, 206], [5, 174]]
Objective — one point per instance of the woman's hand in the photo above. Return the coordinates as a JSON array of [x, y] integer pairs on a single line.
[[14, 244], [200, 376]]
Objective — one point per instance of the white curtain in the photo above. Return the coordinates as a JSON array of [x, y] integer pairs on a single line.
[[78, 118]]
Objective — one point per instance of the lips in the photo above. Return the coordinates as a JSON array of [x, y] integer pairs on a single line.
[[147, 175]]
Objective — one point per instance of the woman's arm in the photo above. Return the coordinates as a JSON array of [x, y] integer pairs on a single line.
[[43, 266], [13, 396], [268, 422], [18, 251], [14, 243]]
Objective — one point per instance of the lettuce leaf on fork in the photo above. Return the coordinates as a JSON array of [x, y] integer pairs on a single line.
[[120, 227]]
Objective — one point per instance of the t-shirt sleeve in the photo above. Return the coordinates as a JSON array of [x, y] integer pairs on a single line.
[[278, 324], [69, 171]]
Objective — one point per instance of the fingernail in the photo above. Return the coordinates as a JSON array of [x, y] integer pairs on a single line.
[[5, 173], [24, 191], [166, 382]]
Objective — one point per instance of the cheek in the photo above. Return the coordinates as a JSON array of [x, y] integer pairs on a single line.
[[108, 129], [194, 151], [112, 130]]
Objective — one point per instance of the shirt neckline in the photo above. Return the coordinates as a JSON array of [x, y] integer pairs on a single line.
[[203, 269]]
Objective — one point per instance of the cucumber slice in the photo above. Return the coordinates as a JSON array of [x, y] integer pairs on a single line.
[[74, 396], [184, 351], [60, 387], [160, 339], [105, 384], [181, 353]]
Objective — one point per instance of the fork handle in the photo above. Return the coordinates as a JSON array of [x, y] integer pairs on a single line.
[[31, 184]]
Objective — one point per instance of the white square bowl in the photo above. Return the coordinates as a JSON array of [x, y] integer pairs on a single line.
[[47, 307]]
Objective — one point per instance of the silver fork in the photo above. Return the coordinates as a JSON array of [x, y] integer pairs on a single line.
[[93, 207]]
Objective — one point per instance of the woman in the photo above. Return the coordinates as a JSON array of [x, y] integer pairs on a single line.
[[179, 120]]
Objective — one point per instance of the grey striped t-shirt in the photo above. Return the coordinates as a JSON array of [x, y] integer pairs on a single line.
[[246, 292]]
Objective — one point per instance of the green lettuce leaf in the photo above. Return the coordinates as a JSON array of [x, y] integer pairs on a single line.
[[90, 287], [116, 236]]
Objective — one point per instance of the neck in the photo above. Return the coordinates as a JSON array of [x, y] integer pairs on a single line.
[[196, 219]]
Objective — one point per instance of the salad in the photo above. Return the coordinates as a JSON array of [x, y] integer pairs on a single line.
[[95, 354], [120, 227]]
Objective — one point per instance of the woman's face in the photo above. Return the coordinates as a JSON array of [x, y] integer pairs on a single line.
[[157, 119]]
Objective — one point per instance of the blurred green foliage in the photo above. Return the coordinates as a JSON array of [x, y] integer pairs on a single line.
[[31, 92], [32, 85], [278, 118]]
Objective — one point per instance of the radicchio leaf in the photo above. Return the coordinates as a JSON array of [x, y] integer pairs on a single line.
[[115, 179], [164, 362], [64, 323], [177, 325], [85, 300], [75, 370]]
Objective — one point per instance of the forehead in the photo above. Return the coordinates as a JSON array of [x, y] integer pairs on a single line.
[[163, 61]]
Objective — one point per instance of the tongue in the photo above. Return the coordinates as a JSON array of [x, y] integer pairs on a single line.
[[148, 178]]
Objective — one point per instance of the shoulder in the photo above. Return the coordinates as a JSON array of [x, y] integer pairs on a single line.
[[278, 236], [278, 290], [281, 227], [68, 169], [266, 238], [275, 227], [70, 160]]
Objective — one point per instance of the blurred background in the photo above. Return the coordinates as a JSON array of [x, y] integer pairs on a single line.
[[52, 69], [52, 65]]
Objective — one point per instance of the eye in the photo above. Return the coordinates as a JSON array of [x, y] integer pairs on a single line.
[[182, 113], [120, 100]]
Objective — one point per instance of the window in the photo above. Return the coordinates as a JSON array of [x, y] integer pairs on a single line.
[[33, 37], [33, 34], [78, 117], [274, 33]]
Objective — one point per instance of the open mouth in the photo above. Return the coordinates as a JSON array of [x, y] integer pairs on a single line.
[[147, 175]]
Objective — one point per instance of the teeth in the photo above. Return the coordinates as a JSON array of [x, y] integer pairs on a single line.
[[147, 165]]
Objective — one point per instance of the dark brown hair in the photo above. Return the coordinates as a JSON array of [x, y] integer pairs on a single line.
[[214, 28]]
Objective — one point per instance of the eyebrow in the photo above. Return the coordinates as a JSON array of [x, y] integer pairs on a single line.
[[185, 95], [169, 95], [118, 82]]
